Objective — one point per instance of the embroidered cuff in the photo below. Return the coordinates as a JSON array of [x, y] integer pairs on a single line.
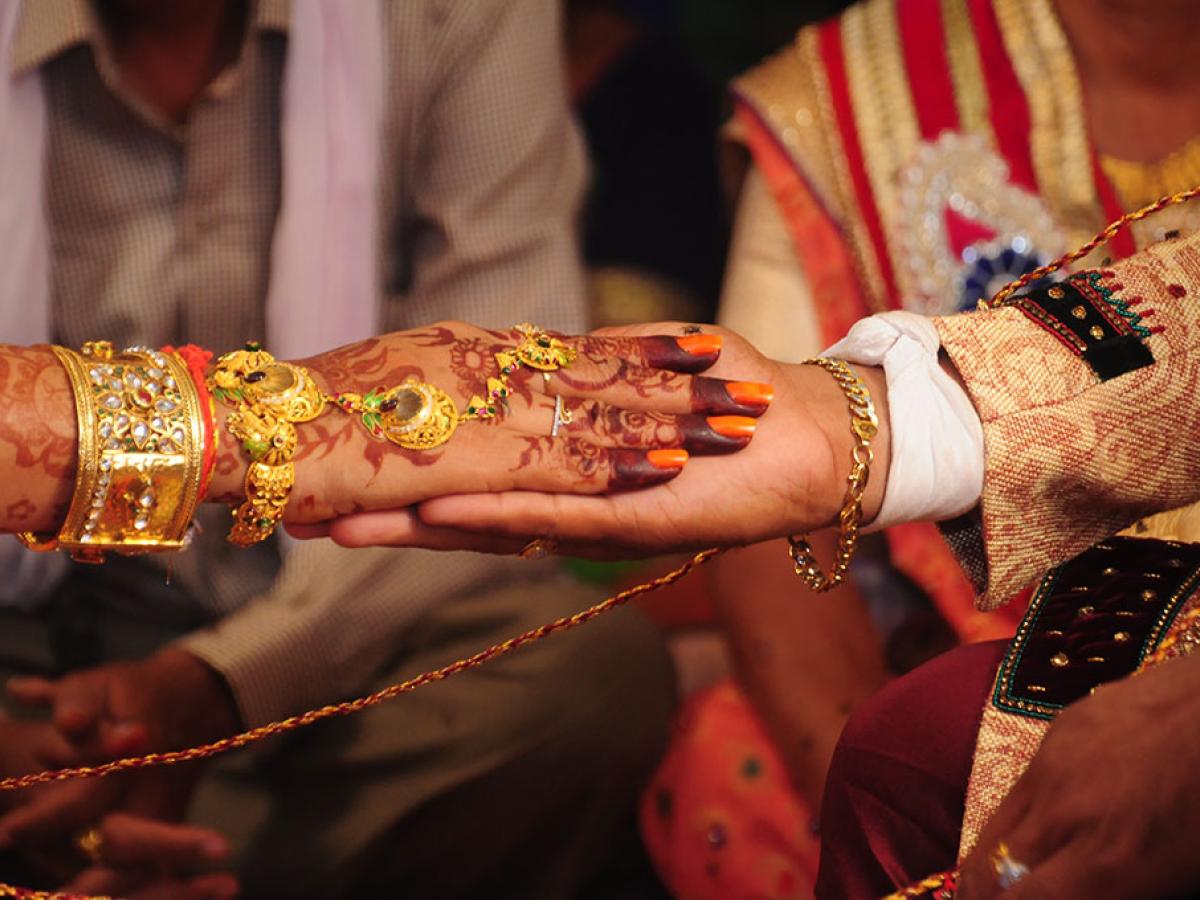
[[1086, 314]]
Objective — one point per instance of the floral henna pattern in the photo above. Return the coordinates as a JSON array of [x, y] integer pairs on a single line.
[[37, 423], [643, 381], [625, 427], [362, 366], [615, 468], [20, 511], [473, 358], [687, 354], [698, 434]]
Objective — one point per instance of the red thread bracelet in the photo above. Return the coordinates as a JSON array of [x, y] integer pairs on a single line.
[[197, 360]]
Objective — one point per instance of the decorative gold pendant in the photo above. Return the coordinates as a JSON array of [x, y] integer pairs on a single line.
[[413, 415], [540, 350], [418, 416], [254, 376]]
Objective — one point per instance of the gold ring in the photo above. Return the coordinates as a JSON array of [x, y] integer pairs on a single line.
[[539, 549], [91, 844]]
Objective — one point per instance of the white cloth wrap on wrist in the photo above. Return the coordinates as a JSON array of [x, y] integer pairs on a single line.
[[936, 470]]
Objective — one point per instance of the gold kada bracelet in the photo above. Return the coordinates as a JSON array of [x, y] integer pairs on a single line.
[[864, 425], [141, 453]]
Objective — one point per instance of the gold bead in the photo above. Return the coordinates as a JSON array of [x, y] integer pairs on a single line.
[[1108, 571], [1086, 610], [1149, 596], [1056, 292], [1121, 637], [1096, 331], [1060, 660], [1079, 312]]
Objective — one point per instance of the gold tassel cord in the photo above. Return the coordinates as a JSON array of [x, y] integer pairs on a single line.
[[1101, 238], [254, 735]]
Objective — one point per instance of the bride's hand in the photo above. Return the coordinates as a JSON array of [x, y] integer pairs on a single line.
[[792, 479], [635, 405]]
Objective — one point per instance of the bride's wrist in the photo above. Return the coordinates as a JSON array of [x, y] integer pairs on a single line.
[[315, 493], [229, 471]]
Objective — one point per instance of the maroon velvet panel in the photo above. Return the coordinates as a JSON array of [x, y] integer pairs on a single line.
[[897, 788]]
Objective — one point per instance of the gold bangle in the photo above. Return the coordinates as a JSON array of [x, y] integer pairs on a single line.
[[268, 397], [864, 425], [140, 455]]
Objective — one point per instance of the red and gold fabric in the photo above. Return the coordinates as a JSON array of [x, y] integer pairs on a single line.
[[923, 153]]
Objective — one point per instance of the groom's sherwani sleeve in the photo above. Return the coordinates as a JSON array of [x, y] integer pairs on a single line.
[[1089, 394]]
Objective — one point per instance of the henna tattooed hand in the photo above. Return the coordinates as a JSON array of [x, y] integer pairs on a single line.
[[791, 479], [632, 409]]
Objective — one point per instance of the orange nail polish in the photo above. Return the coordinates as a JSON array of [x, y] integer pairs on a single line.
[[751, 393], [700, 344], [667, 459], [740, 427]]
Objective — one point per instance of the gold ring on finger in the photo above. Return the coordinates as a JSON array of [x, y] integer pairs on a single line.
[[562, 416], [538, 549]]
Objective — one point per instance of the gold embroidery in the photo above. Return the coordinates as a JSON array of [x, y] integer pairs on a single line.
[[1140, 184], [966, 71], [808, 44], [791, 94], [1058, 139], [782, 92], [883, 110]]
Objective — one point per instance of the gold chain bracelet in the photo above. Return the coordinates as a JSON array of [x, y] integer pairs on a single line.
[[864, 425]]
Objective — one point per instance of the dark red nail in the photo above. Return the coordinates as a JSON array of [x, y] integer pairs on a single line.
[[709, 435], [716, 396], [641, 468], [691, 353]]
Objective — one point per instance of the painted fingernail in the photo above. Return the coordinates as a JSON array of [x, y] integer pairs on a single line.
[[690, 353], [710, 435], [637, 468], [750, 393], [668, 459], [738, 427], [713, 396], [700, 344]]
